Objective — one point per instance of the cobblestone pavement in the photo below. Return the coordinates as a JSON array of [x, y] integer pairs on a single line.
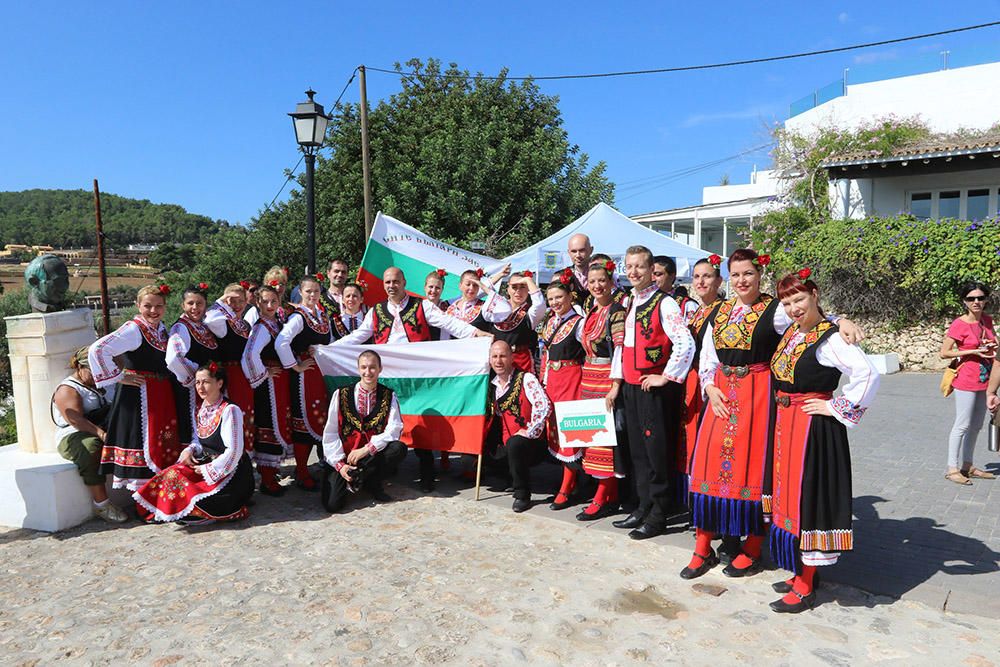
[[444, 580]]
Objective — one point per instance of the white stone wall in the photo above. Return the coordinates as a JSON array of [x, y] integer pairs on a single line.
[[917, 345]]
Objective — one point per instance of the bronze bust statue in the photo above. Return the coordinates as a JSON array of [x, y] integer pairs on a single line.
[[48, 282]]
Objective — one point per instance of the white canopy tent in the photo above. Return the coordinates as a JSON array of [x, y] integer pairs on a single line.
[[610, 233]]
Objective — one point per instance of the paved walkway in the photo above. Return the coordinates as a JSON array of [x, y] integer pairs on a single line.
[[444, 580]]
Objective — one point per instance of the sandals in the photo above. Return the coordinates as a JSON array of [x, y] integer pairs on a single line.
[[958, 478], [978, 474]]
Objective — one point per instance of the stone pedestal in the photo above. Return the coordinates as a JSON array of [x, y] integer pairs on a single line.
[[40, 347], [41, 491]]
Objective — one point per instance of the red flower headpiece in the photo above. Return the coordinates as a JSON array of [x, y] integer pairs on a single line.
[[609, 266], [527, 274], [320, 277], [274, 283], [203, 287], [245, 284], [566, 277], [715, 260], [213, 367], [479, 272], [363, 285], [164, 289], [441, 273], [804, 273], [762, 261]]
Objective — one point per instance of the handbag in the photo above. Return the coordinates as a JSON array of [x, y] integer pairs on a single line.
[[949, 376]]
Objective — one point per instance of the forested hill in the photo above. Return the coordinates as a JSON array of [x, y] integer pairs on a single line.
[[65, 218]]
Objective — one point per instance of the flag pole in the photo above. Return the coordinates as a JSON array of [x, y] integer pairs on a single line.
[[479, 472]]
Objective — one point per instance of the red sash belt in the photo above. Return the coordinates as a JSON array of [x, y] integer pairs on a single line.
[[785, 399]]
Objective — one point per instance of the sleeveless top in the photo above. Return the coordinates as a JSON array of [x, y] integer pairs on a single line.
[[231, 345], [796, 369], [210, 431], [560, 339], [516, 329], [316, 329], [603, 330], [96, 403], [203, 342]]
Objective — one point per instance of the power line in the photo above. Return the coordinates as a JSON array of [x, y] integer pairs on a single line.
[[643, 182], [690, 68], [685, 172]]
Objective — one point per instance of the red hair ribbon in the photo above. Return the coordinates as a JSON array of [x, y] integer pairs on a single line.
[[804, 273], [479, 272], [245, 284], [320, 277], [164, 289], [609, 266], [715, 260], [203, 286], [441, 273], [527, 274]]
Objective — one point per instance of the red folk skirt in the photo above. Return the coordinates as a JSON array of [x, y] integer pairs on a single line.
[[240, 393], [310, 404], [522, 359], [728, 462], [807, 487], [562, 383], [598, 462], [273, 419], [179, 492], [690, 418]]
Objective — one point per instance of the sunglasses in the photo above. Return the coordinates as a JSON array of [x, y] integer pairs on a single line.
[[975, 298]]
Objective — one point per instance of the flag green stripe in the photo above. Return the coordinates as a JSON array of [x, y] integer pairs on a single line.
[[377, 255], [462, 396]]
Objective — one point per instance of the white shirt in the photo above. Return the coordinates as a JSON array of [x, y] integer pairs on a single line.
[[674, 325], [251, 362], [232, 436], [397, 334], [215, 318], [102, 352], [293, 327], [541, 406], [178, 345], [333, 446], [91, 399]]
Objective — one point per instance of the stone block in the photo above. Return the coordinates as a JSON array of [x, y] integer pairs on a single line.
[[885, 364], [41, 491]]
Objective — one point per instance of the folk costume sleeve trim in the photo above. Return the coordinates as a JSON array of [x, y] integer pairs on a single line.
[[253, 366], [251, 315], [333, 446], [215, 319], [537, 309], [681, 341], [540, 406], [438, 318], [364, 331], [495, 308], [178, 345], [283, 342], [232, 435], [102, 353], [708, 360], [863, 380]]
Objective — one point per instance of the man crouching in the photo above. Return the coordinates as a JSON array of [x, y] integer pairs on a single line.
[[361, 439]]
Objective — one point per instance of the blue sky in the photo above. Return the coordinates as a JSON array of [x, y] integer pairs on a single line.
[[186, 102]]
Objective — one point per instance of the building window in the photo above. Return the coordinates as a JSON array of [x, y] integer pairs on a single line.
[[977, 204], [920, 205], [950, 204]]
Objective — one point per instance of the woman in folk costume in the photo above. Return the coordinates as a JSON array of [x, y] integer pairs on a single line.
[[807, 484], [307, 325], [190, 346], [520, 328], [213, 479], [706, 279], [271, 392], [433, 286], [351, 311], [142, 427], [603, 330], [223, 319], [277, 279], [734, 438], [471, 309], [561, 373]]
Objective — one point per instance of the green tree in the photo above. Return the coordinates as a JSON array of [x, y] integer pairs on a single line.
[[463, 159]]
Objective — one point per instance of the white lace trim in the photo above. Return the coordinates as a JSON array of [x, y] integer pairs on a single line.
[[302, 404], [287, 446], [160, 516], [144, 415]]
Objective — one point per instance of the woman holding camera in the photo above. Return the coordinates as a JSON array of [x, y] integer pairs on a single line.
[[971, 343]]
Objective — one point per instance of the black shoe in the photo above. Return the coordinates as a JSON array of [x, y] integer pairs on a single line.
[[730, 548], [805, 602], [427, 484], [560, 506], [707, 563], [756, 565], [633, 520], [277, 493], [521, 505], [379, 495], [607, 509], [646, 531], [783, 586]]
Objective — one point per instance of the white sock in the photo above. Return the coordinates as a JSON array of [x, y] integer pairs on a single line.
[[102, 504]]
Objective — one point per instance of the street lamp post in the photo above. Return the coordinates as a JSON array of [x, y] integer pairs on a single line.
[[310, 123]]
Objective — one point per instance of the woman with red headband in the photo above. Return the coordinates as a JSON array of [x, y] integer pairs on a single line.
[[807, 484], [433, 287], [306, 327], [213, 479], [727, 464], [142, 432], [482, 313], [520, 328], [191, 344]]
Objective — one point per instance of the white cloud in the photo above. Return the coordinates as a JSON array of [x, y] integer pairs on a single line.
[[843, 17]]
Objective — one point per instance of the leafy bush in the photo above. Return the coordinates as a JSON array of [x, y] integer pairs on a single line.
[[12, 303], [900, 267]]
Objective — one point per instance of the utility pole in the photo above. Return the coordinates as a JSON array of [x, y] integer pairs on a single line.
[[105, 305], [366, 167]]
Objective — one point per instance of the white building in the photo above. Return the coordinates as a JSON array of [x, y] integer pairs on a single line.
[[934, 180]]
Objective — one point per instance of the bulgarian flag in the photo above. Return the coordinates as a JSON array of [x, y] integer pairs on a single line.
[[442, 387], [394, 243]]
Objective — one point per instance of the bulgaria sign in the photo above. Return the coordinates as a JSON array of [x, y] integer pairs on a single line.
[[585, 423]]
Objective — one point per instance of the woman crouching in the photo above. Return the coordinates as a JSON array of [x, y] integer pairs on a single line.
[[212, 479]]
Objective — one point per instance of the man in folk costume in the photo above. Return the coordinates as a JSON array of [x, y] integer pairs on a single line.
[[665, 277], [520, 410], [361, 439], [405, 318], [580, 252], [650, 369]]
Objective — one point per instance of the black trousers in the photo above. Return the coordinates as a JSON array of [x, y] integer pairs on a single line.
[[522, 453], [653, 421], [334, 491]]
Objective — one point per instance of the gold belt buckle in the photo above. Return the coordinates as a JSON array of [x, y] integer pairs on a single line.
[[738, 371], [783, 401], [555, 365]]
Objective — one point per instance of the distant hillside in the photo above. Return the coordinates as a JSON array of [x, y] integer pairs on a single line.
[[65, 218]]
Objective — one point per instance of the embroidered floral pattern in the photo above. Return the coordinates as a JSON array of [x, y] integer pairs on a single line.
[[793, 345], [353, 422], [157, 337], [847, 410], [465, 310], [700, 315], [555, 332], [514, 320], [200, 333], [644, 314], [511, 402], [733, 327], [209, 418], [317, 321]]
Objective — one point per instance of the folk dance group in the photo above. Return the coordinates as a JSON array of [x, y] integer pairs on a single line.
[[723, 407]]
